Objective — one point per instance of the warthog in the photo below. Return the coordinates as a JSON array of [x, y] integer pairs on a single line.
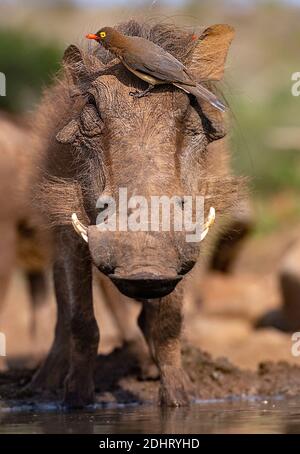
[[96, 140], [22, 239]]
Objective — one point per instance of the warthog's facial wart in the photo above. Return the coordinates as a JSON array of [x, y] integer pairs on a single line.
[[82, 230]]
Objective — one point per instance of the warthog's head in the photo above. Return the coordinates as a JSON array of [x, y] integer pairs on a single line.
[[152, 146]]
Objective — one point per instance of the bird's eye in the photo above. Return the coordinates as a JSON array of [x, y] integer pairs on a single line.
[[102, 34]]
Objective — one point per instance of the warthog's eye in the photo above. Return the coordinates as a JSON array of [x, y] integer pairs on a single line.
[[92, 99], [91, 119], [213, 124], [193, 123]]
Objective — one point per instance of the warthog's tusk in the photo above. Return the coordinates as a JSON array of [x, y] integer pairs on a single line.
[[80, 228], [207, 225]]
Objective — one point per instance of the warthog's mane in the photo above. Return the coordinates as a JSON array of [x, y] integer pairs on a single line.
[[60, 194]]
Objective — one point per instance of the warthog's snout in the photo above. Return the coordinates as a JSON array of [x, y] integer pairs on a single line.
[[142, 265], [145, 286]]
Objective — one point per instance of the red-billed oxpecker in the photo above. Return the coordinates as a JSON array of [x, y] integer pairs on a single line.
[[153, 64]]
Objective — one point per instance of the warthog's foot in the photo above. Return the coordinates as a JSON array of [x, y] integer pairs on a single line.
[[149, 371], [147, 368], [79, 391], [279, 320], [141, 94], [51, 375], [176, 389]]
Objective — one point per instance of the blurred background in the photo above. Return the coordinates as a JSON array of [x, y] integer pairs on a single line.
[[264, 141]]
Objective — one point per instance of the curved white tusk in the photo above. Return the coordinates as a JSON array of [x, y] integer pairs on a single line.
[[207, 225], [79, 228]]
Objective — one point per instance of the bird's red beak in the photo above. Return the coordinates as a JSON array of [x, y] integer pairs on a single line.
[[92, 36]]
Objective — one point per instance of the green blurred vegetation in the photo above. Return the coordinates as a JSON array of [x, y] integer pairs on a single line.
[[271, 169], [29, 64]]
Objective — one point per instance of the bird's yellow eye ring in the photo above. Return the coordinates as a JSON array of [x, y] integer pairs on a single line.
[[102, 34]]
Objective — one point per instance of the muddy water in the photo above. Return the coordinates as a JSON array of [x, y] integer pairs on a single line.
[[235, 416]]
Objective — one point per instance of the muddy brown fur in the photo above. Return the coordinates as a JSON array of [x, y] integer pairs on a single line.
[[93, 139]]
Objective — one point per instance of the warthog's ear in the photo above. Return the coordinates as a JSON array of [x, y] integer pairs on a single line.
[[207, 59], [80, 68], [206, 62]]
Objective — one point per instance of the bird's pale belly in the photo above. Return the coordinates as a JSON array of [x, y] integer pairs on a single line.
[[146, 77]]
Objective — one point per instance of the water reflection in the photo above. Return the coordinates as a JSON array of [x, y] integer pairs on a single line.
[[254, 416]]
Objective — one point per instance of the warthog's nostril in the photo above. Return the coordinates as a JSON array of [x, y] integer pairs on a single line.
[[145, 286], [106, 269], [187, 266]]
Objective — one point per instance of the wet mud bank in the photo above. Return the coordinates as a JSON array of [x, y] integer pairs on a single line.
[[117, 380]]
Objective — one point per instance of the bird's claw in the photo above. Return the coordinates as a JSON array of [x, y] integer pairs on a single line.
[[139, 94]]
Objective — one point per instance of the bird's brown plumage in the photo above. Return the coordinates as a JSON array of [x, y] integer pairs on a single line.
[[145, 58]]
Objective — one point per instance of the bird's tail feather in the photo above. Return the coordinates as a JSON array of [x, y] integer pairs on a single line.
[[203, 93]]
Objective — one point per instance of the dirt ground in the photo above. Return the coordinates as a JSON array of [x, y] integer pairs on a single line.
[[221, 311], [117, 380]]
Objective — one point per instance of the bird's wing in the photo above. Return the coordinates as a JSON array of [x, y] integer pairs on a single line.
[[154, 60]]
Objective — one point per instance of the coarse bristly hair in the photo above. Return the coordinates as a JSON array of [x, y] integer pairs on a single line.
[[59, 195]]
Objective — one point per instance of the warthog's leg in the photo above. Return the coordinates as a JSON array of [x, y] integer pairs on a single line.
[[76, 286], [74, 351], [52, 373], [161, 322], [7, 260], [7, 256]]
